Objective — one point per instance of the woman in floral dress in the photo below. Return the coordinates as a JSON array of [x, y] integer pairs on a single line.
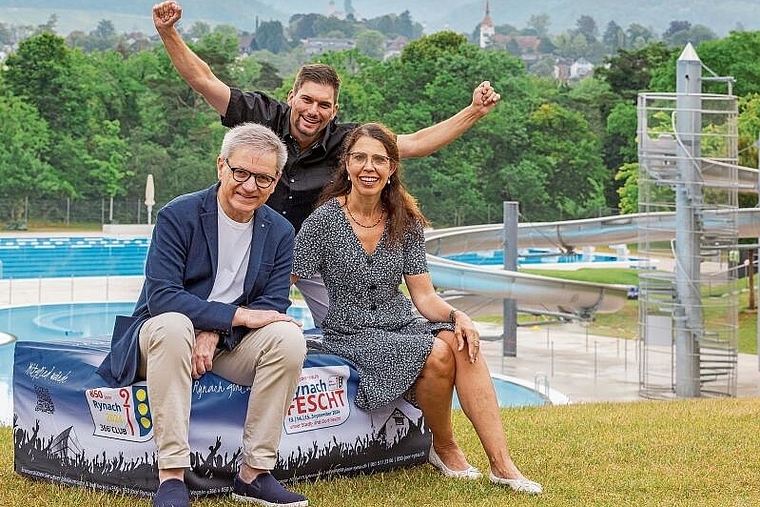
[[365, 239]]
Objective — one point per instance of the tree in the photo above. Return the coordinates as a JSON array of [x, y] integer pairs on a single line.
[[303, 26], [105, 162], [334, 27], [199, 29], [628, 188], [252, 74], [371, 43], [614, 37], [406, 27], [505, 29], [681, 32], [697, 35], [270, 35], [638, 36], [41, 72], [49, 25], [571, 45], [591, 97], [735, 55], [749, 130], [348, 8], [586, 26], [220, 49], [105, 29], [675, 27], [23, 168], [565, 150], [630, 71], [103, 37], [620, 135], [540, 23], [543, 66]]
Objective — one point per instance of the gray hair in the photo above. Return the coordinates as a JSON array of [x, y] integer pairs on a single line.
[[256, 137]]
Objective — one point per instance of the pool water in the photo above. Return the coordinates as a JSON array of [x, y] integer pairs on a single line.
[[95, 320], [534, 256], [57, 257], [68, 321], [29, 257], [515, 392]]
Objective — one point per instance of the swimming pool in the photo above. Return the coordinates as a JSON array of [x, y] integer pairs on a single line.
[[72, 321], [67, 321], [515, 392], [54, 257], [539, 257]]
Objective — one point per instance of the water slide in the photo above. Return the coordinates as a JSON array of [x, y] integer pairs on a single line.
[[482, 288]]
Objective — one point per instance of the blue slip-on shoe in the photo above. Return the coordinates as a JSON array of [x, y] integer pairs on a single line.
[[266, 490], [171, 493]]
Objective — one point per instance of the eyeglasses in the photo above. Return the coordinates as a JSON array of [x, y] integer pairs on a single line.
[[243, 175], [378, 161]]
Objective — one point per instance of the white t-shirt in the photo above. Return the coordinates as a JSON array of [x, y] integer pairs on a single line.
[[234, 248]]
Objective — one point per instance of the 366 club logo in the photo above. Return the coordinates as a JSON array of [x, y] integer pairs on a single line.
[[122, 413]]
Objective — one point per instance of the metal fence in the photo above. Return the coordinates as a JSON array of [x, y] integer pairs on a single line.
[[19, 214]]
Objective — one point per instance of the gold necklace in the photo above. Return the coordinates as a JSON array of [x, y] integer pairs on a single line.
[[382, 214]]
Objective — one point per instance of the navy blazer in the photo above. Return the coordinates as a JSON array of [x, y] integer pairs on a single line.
[[179, 274]]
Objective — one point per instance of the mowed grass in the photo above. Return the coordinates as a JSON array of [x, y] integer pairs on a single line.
[[624, 323], [698, 452]]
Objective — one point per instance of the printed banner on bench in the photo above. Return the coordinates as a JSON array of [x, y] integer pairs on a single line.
[[69, 428]]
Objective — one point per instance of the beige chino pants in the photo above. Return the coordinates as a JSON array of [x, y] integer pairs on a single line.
[[268, 359]]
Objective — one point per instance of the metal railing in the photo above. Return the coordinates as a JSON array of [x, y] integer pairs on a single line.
[[20, 214]]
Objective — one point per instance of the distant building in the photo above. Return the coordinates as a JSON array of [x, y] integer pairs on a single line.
[[581, 68], [317, 46], [566, 70], [246, 44], [333, 12], [487, 29], [395, 46], [562, 70], [523, 44]]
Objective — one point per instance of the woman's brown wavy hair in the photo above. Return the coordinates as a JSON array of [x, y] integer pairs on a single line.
[[400, 205]]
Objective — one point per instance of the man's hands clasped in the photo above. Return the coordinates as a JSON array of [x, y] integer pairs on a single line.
[[206, 342]]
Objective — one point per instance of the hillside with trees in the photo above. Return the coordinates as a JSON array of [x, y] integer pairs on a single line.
[[433, 15], [83, 121]]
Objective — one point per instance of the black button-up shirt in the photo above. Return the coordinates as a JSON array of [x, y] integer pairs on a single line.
[[306, 173]]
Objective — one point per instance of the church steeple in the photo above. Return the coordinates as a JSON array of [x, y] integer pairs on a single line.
[[486, 27]]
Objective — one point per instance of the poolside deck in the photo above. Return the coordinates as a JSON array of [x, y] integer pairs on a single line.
[[65, 290], [586, 368]]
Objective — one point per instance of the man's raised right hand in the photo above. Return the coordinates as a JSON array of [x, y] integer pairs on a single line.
[[166, 14]]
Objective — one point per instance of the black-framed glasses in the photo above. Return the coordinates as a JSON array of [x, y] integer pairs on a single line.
[[378, 161], [242, 175]]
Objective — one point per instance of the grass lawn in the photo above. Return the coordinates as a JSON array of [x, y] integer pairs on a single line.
[[701, 453], [624, 323]]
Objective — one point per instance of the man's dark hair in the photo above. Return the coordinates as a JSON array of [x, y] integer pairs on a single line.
[[318, 73]]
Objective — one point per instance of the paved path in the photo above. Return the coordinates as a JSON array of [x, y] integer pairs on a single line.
[[584, 367]]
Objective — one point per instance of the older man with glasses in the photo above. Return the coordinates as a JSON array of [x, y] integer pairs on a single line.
[[217, 280]]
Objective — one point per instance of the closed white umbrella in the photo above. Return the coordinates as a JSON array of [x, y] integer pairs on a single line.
[[150, 196]]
